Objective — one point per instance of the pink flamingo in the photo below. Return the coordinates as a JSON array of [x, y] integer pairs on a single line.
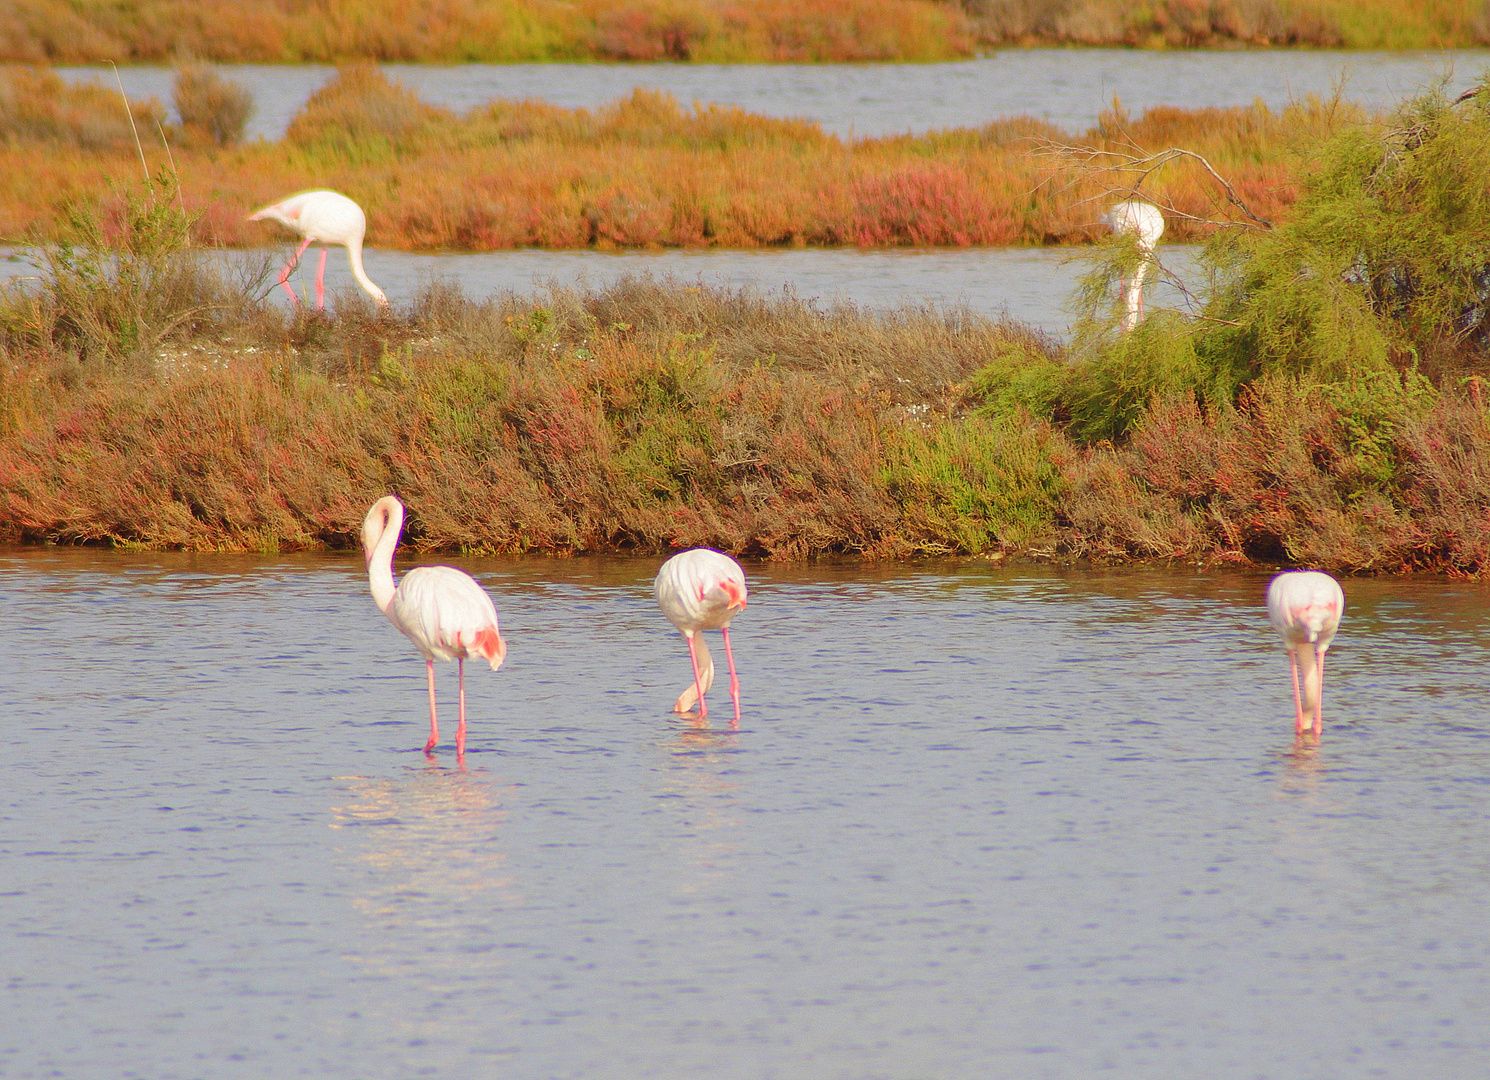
[[702, 590], [323, 217], [440, 609], [1145, 223], [1305, 606]]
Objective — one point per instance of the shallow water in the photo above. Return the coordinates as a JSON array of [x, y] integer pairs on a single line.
[[1067, 87], [979, 821], [1030, 285]]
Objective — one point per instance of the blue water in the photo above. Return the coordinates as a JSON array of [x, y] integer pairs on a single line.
[[978, 821]]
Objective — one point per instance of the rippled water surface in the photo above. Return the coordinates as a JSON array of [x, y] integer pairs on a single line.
[[978, 821], [1067, 87]]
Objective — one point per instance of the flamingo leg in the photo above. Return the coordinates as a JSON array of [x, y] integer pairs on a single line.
[[698, 683], [1319, 705], [434, 723], [1298, 701], [284, 275], [734, 680], [321, 282], [460, 731]]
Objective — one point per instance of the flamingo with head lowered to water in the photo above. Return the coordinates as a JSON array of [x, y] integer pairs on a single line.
[[323, 217], [440, 609], [1305, 606], [702, 590], [1145, 223]]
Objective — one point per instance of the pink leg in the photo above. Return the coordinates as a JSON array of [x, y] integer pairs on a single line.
[[734, 680], [698, 685], [321, 283], [460, 731], [1298, 701], [434, 724], [284, 275], [1319, 705]]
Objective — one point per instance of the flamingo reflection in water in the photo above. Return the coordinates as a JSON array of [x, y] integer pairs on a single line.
[[702, 590]]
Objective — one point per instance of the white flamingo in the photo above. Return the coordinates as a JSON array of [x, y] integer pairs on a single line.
[[323, 217], [440, 609], [702, 590], [1305, 606], [1145, 223]]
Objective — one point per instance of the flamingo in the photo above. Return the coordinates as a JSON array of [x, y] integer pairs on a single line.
[[440, 609], [323, 217], [1145, 223], [702, 590], [1305, 606]]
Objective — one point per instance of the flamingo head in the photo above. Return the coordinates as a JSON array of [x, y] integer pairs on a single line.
[[735, 590], [489, 643], [379, 519]]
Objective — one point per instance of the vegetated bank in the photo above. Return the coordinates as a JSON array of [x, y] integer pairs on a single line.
[[1323, 406], [505, 31], [643, 171]]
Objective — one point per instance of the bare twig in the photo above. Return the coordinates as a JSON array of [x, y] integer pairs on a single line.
[[1135, 167]]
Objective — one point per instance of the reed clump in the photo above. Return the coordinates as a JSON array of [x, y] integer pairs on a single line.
[[211, 108]]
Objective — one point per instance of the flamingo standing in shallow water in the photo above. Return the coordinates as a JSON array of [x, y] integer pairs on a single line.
[[323, 217], [440, 609], [1305, 606], [702, 590], [1145, 223]]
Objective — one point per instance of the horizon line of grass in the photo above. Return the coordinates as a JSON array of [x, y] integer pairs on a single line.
[[705, 31]]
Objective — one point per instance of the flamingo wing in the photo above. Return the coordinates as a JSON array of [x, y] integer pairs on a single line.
[[448, 615]]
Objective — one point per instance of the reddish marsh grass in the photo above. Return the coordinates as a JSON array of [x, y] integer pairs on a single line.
[[495, 31], [715, 31], [647, 171]]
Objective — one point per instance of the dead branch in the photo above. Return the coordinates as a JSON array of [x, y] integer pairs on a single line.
[[1135, 167]]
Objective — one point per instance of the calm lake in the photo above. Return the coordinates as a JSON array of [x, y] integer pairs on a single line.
[[1067, 87], [1030, 285], [979, 821]]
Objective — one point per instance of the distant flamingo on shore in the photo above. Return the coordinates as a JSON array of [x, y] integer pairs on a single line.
[[440, 609], [1305, 606], [323, 217], [1145, 223], [702, 590]]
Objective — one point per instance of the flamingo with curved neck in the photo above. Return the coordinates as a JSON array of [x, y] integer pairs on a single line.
[[1305, 606], [440, 609], [323, 217], [702, 590]]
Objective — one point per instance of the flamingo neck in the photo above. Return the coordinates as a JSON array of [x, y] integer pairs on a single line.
[[1134, 296], [354, 259], [1309, 676], [380, 556]]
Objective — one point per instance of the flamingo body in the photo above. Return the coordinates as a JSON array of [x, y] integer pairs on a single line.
[[702, 590], [323, 217], [440, 609], [1305, 606], [1145, 223]]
